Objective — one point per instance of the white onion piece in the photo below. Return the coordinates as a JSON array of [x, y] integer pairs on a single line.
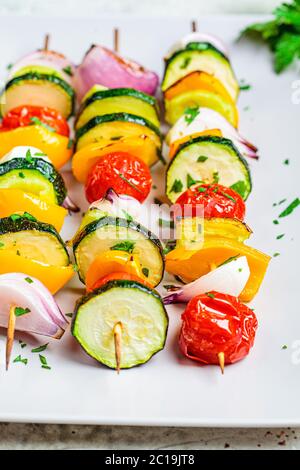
[[119, 205], [104, 67], [231, 279], [22, 151], [198, 37], [45, 317], [50, 59], [209, 119]]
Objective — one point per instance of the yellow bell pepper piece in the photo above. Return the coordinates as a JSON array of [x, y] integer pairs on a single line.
[[85, 158], [175, 145], [14, 201], [113, 261], [54, 145], [53, 277], [189, 265]]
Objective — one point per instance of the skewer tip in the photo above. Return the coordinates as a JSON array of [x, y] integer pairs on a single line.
[[221, 357], [194, 26], [10, 335], [117, 331], [46, 42], [116, 39]]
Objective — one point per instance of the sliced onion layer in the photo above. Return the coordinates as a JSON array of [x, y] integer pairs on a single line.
[[102, 66], [44, 316], [230, 278], [209, 119], [198, 37], [119, 205]]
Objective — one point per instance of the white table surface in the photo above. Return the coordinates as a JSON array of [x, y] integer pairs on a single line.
[[28, 436]]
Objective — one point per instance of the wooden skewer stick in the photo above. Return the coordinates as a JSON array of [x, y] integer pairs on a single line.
[[194, 26], [46, 42], [118, 343], [221, 357], [116, 39], [10, 334]]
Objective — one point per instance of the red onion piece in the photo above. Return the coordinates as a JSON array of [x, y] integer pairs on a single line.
[[45, 317], [70, 205], [101, 66], [229, 278]]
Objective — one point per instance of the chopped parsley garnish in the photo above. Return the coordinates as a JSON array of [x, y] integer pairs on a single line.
[[216, 177], [280, 236], [2, 244], [190, 114], [290, 208], [40, 154], [154, 186], [190, 181], [29, 280], [29, 157], [127, 245], [201, 189], [19, 311], [20, 359], [44, 362], [275, 222], [286, 162], [185, 62], [36, 120], [239, 187], [145, 271], [127, 216], [284, 346], [21, 175], [244, 86], [281, 33], [134, 186], [70, 315], [228, 260], [228, 196], [177, 186], [68, 70], [202, 159], [75, 268], [40, 348], [275, 255], [166, 223], [70, 143], [278, 203], [22, 344], [169, 246], [240, 270], [117, 137], [9, 66], [210, 294], [246, 108]]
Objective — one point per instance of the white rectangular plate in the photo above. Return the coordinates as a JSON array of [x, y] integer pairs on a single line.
[[263, 389]]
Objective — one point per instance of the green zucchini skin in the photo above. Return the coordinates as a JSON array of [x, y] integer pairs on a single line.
[[43, 167], [21, 224], [119, 222], [215, 140], [56, 80], [115, 92], [196, 46], [116, 117], [126, 284]]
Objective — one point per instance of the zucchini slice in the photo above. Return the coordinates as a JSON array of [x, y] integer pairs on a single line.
[[224, 164], [202, 57], [40, 89], [35, 176], [25, 236], [109, 233], [118, 100], [139, 309], [112, 127]]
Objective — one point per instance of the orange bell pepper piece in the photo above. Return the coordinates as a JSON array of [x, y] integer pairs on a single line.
[[54, 145], [53, 277], [14, 201], [84, 159], [176, 144], [189, 265], [110, 262]]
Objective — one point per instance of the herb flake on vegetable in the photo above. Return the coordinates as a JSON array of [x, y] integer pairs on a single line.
[[202, 159], [19, 311], [124, 246], [177, 186], [190, 114]]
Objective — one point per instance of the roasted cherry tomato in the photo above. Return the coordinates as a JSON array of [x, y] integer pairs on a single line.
[[216, 200], [122, 172], [117, 277], [216, 323], [28, 115]]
